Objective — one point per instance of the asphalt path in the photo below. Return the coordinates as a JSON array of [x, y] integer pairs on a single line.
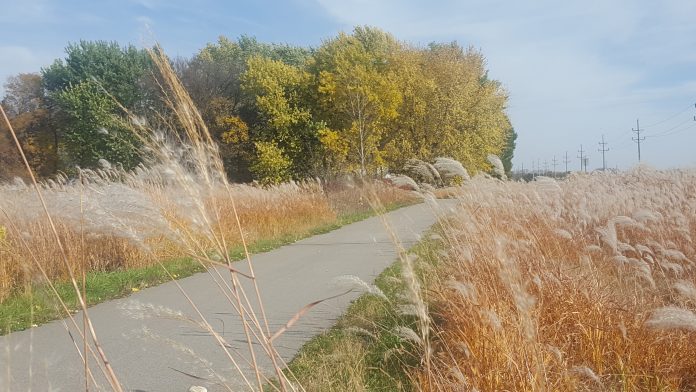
[[151, 345]]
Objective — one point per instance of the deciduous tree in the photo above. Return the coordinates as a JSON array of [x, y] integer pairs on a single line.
[[85, 87], [280, 94], [358, 92], [31, 119]]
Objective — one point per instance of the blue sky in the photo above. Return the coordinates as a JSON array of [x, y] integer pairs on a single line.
[[574, 69]]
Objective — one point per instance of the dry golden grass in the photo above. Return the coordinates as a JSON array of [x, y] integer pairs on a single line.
[[107, 224], [582, 284]]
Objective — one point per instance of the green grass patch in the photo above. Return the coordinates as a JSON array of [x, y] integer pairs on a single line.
[[39, 305], [362, 352]]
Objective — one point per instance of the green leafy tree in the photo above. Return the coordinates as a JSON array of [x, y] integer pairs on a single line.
[[233, 137], [10, 161], [509, 150], [466, 112], [119, 70], [361, 102], [334, 151], [94, 131], [216, 71], [409, 135], [83, 87], [214, 78]]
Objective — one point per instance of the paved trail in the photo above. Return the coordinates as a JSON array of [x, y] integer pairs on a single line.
[[150, 353]]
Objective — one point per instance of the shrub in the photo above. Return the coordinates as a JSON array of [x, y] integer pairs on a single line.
[[271, 166]]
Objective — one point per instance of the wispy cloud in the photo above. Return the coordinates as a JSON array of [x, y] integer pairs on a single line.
[[144, 21], [16, 12], [149, 4]]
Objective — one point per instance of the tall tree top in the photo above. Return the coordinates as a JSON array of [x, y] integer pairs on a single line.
[[117, 69]]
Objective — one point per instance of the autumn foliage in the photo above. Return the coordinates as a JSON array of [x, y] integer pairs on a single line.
[[360, 103]]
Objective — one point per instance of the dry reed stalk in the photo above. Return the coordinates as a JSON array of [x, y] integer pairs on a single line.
[[114, 237], [109, 372], [413, 291], [208, 170], [581, 284]]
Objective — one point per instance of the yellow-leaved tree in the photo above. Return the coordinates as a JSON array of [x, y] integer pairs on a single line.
[[357, 91], [280, 92], [466, 112], [271, 165]]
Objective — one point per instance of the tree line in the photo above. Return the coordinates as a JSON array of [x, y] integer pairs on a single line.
[[362, 102]]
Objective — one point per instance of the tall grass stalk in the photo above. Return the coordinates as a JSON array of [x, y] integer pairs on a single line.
[[580, 284], [108, 371]]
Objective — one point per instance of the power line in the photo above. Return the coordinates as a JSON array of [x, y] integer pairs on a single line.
[[623, 141], [669, 130], [677, 131], [613, 138], [534, 173], [603, 150], [625, 138], [638, 139], [670, 117]]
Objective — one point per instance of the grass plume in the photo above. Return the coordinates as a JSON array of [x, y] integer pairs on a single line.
[[590, 279]]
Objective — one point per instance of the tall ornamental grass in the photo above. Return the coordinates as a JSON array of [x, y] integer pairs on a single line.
[[583, 284]]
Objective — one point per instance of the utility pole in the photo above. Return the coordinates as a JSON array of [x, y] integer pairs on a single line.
[[533, 170], [566, 161], [603, 149], [554, 164], [546, 167], [582, 158], [538, 166], [638, 139]]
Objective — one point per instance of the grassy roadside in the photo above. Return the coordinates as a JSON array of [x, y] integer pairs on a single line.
[[39, 305], [364, 351]]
